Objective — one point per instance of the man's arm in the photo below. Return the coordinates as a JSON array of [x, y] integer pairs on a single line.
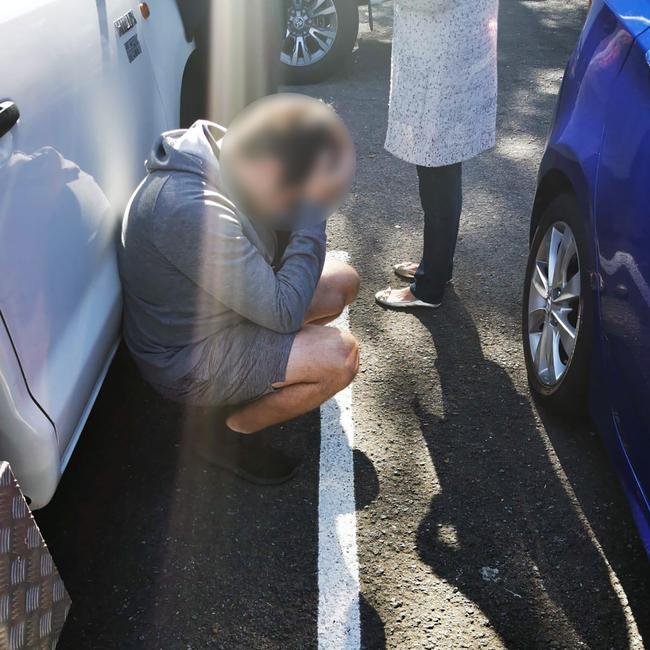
[[223, 262]]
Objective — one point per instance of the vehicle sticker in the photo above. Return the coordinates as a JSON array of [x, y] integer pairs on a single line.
[[133, 49], [125, 23]]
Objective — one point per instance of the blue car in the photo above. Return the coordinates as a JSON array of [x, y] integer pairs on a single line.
[[586, 307]]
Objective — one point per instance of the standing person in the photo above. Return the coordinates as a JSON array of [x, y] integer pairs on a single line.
[[443, 100]]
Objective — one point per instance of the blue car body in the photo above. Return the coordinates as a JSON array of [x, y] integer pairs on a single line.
[[599, 149]]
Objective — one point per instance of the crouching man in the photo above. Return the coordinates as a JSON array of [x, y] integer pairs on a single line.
[[226, 290]]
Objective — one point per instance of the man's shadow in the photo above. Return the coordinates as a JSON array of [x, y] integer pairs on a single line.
[[140, 527], [503, 527]]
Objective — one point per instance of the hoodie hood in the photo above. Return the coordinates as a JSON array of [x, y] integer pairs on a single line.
[[194, 150]]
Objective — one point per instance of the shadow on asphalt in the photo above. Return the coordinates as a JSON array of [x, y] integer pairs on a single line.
[[366, 488], [159, 550], [373, 633], [589, 471], [523, 547]]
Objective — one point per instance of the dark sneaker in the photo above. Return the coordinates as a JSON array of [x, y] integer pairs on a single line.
[[246, 455]]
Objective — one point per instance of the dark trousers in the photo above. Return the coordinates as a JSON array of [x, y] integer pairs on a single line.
[[441, 194]]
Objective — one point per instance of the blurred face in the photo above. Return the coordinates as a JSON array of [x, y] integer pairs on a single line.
[[260, 182], [290, 128]]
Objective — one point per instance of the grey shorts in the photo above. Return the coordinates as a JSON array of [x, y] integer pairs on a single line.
[[238, 365]]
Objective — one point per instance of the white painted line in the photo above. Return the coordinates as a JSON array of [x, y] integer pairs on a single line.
[[338, 563]]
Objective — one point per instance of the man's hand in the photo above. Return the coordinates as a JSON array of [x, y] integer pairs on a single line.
[[331, 178]]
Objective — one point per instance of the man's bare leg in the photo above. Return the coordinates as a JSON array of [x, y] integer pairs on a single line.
[[323, 361], [338, 287]]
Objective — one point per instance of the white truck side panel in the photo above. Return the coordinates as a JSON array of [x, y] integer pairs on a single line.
[[91, 101]]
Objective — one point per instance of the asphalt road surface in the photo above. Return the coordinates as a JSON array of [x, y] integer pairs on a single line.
[[480, 521]]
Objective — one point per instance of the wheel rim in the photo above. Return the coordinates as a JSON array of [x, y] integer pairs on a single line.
[[554, 305], [311, 31]]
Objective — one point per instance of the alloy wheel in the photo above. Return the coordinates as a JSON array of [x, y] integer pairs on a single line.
[[311, 30], [554, 305]]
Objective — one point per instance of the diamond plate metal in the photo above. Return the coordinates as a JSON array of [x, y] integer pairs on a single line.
[[33, 600]]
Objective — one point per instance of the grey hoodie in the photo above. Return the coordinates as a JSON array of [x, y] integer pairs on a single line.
[[193, 265]]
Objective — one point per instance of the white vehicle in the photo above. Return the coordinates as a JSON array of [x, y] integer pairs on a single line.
[[94, 82]]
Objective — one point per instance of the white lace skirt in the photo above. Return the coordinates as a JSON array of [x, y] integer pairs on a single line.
[[443, 94]]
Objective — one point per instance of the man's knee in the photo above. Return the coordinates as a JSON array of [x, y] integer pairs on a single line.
[[345, 287], [346, 359], [350, 284]]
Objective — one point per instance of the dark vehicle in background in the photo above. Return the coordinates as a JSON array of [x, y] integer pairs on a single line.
[[271, 41], [235, 58]]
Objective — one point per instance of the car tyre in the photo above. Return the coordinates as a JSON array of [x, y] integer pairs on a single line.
[[561, 383], [327, 58]]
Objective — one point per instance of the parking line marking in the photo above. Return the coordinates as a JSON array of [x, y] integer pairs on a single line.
[[339, 625]]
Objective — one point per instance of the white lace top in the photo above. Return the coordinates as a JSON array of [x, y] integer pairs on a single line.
[[443, 93]]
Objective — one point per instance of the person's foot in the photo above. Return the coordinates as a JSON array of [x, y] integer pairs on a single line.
[[401, 299], [246, 455], [406, 271]]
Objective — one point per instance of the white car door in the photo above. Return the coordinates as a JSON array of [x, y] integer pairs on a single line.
[[81, 76]]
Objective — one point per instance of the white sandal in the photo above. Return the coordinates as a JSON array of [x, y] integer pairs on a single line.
[[382, 297], [401, 271]]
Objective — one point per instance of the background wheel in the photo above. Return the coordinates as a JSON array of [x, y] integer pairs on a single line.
[[320, 35], [558, 309]]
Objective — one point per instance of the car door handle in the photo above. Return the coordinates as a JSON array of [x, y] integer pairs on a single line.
[[9, 115]]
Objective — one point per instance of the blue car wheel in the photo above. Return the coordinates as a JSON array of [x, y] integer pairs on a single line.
[[557, 308]]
